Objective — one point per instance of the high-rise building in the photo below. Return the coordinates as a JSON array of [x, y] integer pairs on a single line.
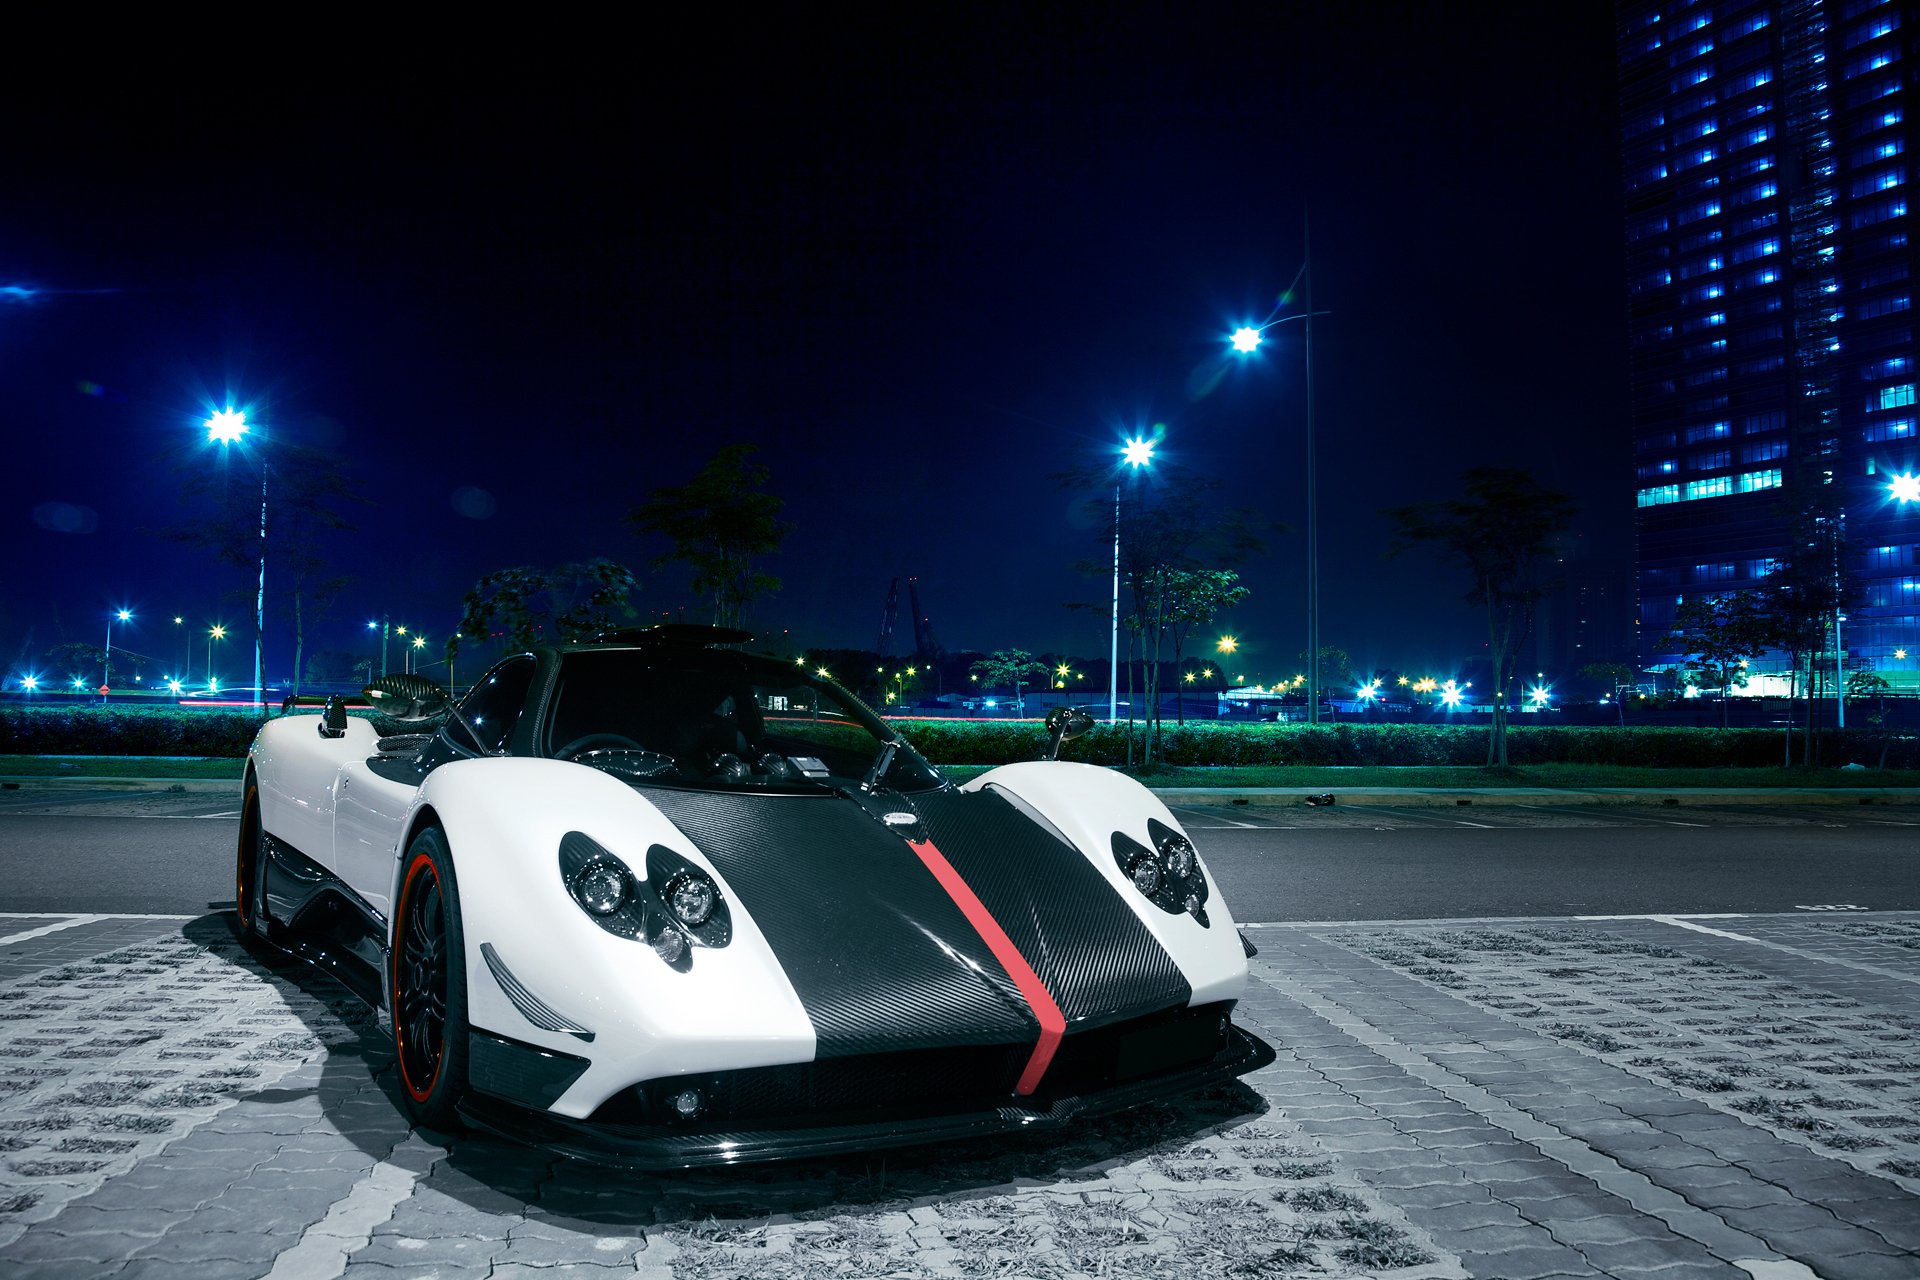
[[1771, 278]]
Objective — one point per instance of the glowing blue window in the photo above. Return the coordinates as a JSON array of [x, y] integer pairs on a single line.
[[1890, 118], [1897, 397], [1756, 480]]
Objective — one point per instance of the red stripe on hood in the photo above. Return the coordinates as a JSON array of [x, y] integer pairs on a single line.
[[1053, 1024]]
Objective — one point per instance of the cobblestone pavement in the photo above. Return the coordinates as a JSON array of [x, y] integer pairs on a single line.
[[1656, 1097]]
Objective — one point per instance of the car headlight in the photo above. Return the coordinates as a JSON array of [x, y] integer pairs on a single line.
[[602, 887], [1167, 874], [1179, 855], [691, 898], [1144, 871]]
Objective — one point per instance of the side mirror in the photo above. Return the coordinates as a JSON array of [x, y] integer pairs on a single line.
[[333, 718], [407, 699], [1065, 724]]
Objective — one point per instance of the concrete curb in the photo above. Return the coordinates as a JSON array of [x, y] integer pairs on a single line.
[[1415, 797]]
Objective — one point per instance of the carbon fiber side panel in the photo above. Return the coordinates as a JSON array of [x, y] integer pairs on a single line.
[[881, 958], [1089, 948]]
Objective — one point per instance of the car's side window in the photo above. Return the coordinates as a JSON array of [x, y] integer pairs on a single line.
[[493, 706]]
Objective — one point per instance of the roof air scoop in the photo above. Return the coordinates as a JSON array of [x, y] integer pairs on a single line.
[[406, 698]]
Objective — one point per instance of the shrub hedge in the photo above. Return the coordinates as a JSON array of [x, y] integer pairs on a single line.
[[973, 742], [163, 731]]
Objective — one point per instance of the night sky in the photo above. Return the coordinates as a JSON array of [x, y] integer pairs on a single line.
[[924, 268]]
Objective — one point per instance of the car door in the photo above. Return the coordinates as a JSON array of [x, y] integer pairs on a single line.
[[374, 796]]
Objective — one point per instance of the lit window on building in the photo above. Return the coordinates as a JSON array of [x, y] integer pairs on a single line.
[[1896, 397]]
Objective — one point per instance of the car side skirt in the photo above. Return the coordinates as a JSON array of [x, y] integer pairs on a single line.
[[312, 914]]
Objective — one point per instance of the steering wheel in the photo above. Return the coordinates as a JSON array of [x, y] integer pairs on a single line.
[[597, 742]]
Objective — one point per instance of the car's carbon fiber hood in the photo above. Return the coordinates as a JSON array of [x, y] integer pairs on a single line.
[[883, 959], [1086, 945], [879, 956]]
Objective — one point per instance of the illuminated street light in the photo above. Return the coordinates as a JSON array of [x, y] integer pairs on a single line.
[[79, 682], [218, 633], [1905, 488], [1539, 696], [106, 654], [1227, 644], [1137, 453], [29, 683], [226, 427], [1246, 340], [1900, 653]]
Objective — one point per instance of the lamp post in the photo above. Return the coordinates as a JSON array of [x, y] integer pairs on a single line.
[[383, 624], [226, 427], [186, 662], [1246, 340], [1138, 453], [218, 632], [106, 654]]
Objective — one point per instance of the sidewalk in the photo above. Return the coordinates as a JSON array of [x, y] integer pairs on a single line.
[[1652, 1097]]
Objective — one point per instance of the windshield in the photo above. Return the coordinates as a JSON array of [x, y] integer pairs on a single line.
[[714, 718]]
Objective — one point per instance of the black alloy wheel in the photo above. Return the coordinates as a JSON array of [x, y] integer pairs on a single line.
[[249, 861], [428, 997]]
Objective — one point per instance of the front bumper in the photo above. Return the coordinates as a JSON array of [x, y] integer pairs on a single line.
[[666, 1146]]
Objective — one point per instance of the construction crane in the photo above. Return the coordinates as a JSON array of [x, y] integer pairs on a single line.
[[925, 647], [884, 645]]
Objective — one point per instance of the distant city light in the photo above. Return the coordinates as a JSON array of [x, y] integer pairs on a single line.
[[1900, 653], [1906, 488], [1246, 338], [1692, 691], [79, 682], [174, 685], [1539, 695], [29, 683], [1450, 695]]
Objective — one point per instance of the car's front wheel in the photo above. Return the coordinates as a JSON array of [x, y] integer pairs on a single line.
[[249, 861], [428, 991]]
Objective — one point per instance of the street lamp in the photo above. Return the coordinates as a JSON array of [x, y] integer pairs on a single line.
[[1246, 340], [419, 643], [383, 624], [1138, 453], [226, 427], [106, 654], [1905, 488], [217, 633]]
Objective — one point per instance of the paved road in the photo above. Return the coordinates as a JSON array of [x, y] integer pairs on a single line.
[[70, 851], [1657, 1098]]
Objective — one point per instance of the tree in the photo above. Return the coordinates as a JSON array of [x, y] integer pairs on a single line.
[[530, 606], [1615, 676], [1010, 669], [1194, 597], [308, 495], [1336, 668], [1808, 586], [717, 523], [1502, 531], [1722, 634], [1170, 528], [77, 657]]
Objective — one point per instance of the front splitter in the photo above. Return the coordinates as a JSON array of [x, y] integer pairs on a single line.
[[662, 1147]]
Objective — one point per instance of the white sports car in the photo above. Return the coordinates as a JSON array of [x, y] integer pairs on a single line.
[[660, 903]]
